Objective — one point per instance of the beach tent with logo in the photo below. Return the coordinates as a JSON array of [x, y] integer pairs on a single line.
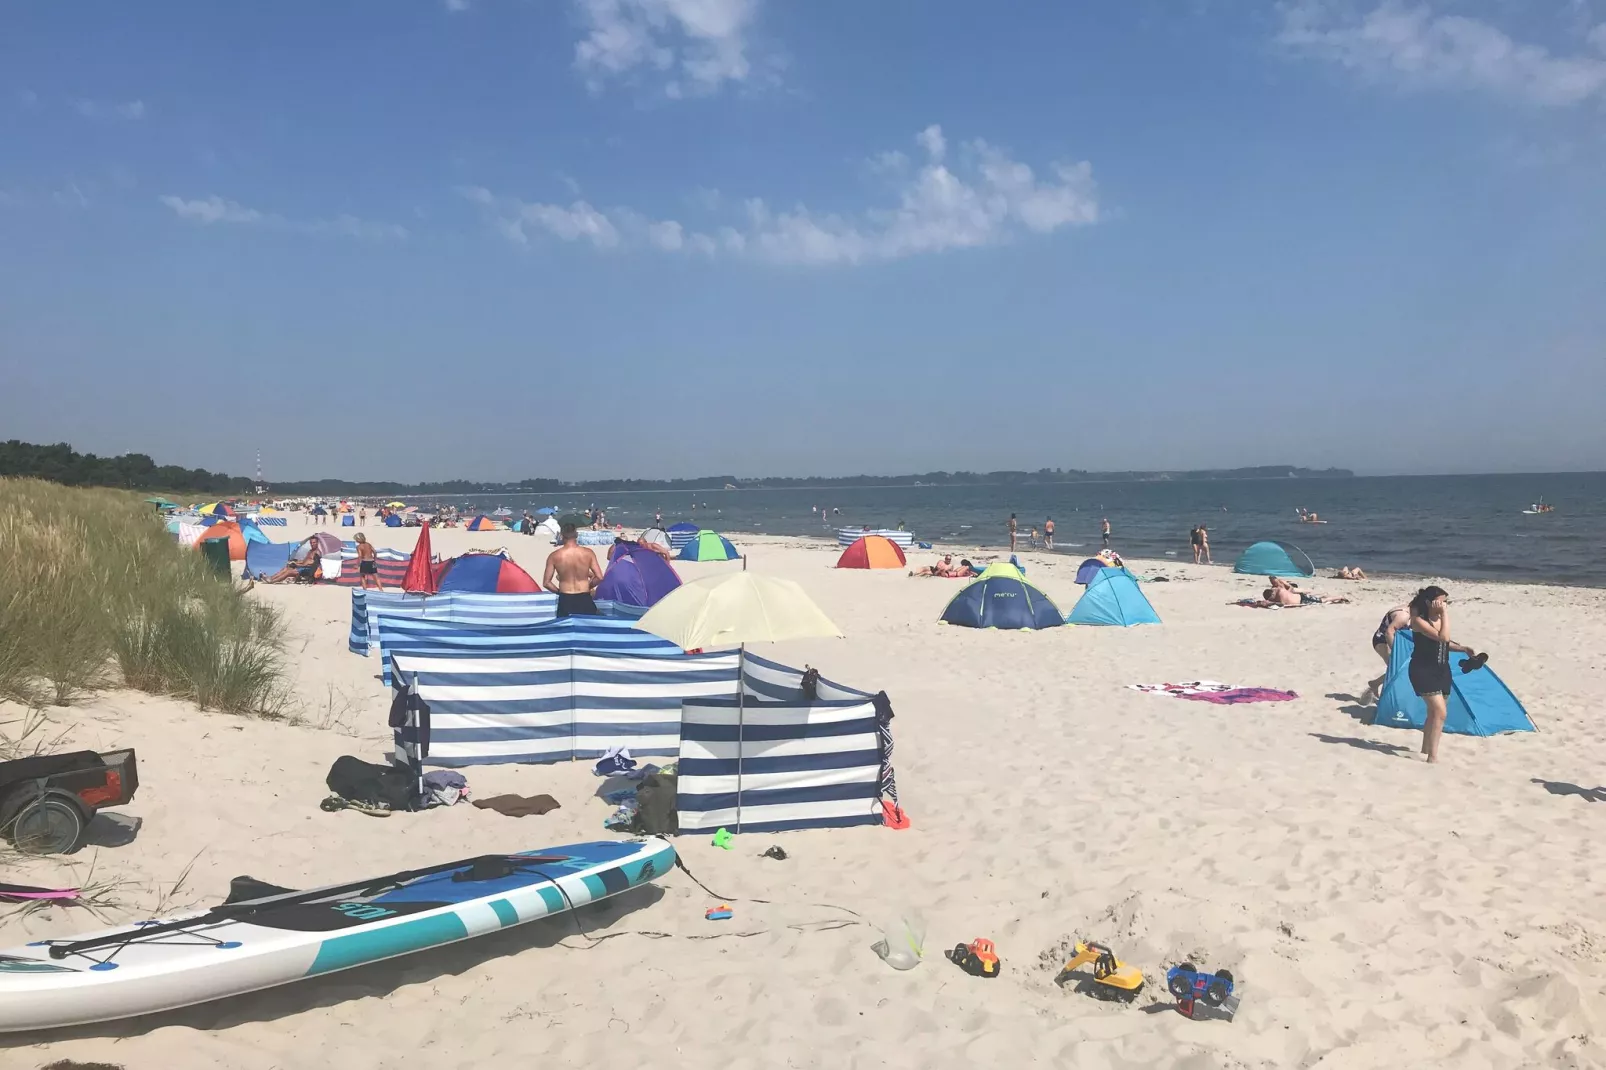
[[1113, 597], [637, 575], [484, 523], [484, 574], [1479, 703], [709, 546], [872, 551], [1274, 559], [1001, 598]]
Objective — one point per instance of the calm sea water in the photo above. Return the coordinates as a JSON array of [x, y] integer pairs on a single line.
[[1459, 526]]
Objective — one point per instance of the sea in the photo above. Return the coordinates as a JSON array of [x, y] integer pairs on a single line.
[[1470, 527]]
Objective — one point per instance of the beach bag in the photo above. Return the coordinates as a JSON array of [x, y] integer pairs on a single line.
[[655, 806], [364, 782]]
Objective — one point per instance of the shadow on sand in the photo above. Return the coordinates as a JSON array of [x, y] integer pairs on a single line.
[[373, 979], [1561, 787], [1364, 744]]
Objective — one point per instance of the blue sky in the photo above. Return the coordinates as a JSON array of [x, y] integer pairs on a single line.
[[503, 238]]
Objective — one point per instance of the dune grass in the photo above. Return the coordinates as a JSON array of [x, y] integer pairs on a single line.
[[95, 593]]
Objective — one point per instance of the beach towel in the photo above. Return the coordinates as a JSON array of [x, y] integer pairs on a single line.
[[1191, 687], [1239, 695], [1216, 692], [1258, 603], [518, 805]]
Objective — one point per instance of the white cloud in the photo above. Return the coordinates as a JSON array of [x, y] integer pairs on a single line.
[[985, 198], [214, 209], [695, 46], [97, 109], [1597, 37], [71, 195], [1412, 44]]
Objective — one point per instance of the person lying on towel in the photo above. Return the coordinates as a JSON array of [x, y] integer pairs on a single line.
[[1287, 596]]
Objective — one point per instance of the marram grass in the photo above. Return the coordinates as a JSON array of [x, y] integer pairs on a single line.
[[94, 593]]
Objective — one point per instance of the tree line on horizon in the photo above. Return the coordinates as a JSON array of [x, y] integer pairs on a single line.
[[60, 463]]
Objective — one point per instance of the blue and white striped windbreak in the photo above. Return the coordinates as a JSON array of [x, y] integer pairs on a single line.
[[560, 704], [471, 610], [849, 536]]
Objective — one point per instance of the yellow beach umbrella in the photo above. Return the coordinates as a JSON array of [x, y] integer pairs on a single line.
[[395, 505], [734, 610]]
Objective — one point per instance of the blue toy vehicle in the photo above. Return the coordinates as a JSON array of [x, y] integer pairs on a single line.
[[1190, 984]]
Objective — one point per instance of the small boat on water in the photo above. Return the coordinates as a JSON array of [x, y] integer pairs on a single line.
[[1538, 507]]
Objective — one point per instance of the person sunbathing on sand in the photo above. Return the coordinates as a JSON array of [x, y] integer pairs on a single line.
[[1287, 596], [945, 567], [1349, 572]]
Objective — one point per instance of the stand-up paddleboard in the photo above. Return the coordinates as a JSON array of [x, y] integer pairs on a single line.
[[258, 943]]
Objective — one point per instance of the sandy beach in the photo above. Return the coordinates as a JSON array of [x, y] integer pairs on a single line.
[[1377, 911]]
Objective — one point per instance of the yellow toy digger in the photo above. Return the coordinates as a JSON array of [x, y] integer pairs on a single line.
[[1112, 979]]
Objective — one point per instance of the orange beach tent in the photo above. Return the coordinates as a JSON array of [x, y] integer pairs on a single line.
[[872, 551], [226, 529]]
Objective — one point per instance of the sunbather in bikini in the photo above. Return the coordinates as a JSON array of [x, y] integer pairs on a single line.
[[1287, 596]]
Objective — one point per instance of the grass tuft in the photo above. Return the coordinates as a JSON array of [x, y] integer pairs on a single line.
[[95, 592]]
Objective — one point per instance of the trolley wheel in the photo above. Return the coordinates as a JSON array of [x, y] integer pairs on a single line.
[[48, 824]]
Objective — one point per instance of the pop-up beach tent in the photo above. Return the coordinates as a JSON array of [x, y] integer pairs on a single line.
[[872, 551], [708, 546], [1479, 703], [484, 574], [637, 576], [1001, 598], [1274, 559], [483, 523], [1113, 597], [680, 534]]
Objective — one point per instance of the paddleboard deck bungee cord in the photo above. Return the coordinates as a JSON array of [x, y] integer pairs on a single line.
[[245, 946]]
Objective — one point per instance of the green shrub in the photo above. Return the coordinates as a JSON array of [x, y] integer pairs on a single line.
[[94, 590]]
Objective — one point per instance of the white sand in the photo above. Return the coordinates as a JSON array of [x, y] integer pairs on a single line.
[[1378, 912]]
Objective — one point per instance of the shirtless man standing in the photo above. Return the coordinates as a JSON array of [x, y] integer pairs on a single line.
[[578, 573]]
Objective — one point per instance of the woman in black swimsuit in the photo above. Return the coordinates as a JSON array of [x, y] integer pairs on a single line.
[[1430, 661], [1383, 642]]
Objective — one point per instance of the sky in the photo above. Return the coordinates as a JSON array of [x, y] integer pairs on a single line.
[[498, 239]]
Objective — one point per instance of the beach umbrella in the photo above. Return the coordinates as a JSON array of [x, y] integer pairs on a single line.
[[395, 505], [162, 503], [545, 510], [420, 577], [734, 610], [215, 508]]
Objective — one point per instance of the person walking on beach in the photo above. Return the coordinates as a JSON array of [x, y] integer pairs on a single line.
[[1104, 532], [362, 517], [1014, 530], [577, 572], [1430, 661], [1048, 533], [367, 564], [1383, 642]]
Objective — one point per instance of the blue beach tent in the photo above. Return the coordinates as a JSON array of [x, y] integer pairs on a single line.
[[1000, 598], [394, 520], [1479, 703], [1274, 559], [1113, 597]]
